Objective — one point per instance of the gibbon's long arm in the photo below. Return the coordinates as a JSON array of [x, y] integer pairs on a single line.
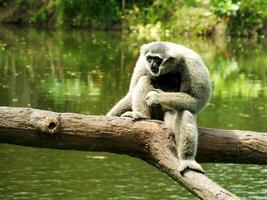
[[122, 106], [125, 104], [138, 72], [179, 101]]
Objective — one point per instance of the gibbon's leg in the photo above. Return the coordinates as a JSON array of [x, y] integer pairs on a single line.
[[140, 109], [183, 124], [122, 106]]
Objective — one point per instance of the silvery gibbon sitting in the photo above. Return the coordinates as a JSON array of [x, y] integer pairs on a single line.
[[171, 83]]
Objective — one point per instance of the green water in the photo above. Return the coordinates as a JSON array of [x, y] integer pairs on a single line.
[[87, 72]]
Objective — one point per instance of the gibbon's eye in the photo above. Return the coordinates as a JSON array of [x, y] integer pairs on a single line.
[[154, 59], [149, 58], [157, 60]]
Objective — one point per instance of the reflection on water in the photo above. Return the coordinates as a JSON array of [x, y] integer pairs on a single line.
[[87, 72]]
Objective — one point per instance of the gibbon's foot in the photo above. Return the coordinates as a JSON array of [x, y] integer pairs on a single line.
[[135, 115], [191, 164]]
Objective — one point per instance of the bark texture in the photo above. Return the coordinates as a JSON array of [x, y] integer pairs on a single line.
[[149, 140]]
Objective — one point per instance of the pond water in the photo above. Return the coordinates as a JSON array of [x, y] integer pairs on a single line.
[[87, 72]]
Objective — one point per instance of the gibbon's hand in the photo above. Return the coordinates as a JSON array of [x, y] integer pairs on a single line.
[[157, 90], [152, 98]]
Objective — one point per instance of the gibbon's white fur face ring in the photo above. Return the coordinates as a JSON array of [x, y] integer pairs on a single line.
[[159, 58]]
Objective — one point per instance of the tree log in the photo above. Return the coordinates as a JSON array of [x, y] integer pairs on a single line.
[[149, 140]]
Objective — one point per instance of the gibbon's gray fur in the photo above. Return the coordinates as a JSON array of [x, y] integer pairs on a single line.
[[171, 83]]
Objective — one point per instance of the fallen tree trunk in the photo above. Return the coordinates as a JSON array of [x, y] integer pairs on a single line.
[[149, 140]]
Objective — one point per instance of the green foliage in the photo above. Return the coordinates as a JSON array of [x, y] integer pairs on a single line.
[[182, 17], [198, 17], [34, 12], [242, 18], [89, 13], [39, 17], [2, 2], [224, 7], [246, 17], [157, 11]]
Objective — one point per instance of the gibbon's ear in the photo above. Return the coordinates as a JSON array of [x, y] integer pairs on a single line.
[[143, 49]]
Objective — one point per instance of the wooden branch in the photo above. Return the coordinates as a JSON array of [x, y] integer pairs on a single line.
[[26, 126], [146, 139], [232, 146]]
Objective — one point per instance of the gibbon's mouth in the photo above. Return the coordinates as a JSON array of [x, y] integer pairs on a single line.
[[155, 72]]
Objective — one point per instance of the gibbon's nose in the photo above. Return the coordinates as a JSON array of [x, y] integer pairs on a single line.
[[154, 67]]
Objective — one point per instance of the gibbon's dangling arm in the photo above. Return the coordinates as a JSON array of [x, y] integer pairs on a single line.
[[121, 107], [125, 104]]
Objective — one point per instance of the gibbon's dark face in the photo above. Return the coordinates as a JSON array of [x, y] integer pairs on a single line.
[[154, 63], [157, 58]]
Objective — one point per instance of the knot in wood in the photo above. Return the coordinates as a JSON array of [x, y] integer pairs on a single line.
[[50, 125]]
